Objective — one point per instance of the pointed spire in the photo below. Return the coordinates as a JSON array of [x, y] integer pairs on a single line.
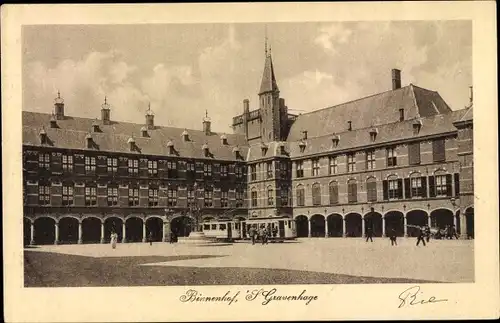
[[268, 83], [265, 40]]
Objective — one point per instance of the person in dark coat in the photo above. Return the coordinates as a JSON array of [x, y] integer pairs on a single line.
[[421, 236], [275, 232], [150, 238], [369, 234], [393, 237], [252, 232], [427, 233]]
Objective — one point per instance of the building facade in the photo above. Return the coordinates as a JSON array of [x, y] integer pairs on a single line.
[[393, 159]]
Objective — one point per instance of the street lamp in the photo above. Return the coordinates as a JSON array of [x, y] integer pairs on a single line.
[[194, 209]]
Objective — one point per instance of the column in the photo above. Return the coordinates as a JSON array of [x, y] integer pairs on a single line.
[[455, 220], [144, 231], [404, 226], [79, 232], [427, 187], [453, 189], [383, 226], [309, 228], [326, 228], [344, 233], [429, 222], [164, 237], [363, 227], [124, 232], [32, 238], [102, 232], [56, 240], [463, 225]]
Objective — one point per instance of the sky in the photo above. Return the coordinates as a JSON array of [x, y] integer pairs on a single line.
[[183, 70]]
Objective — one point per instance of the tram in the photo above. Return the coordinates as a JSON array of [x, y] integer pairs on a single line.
[[222, 230]]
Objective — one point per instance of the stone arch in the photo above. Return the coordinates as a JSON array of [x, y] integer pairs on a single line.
[[113, 224], [353, 225], [208, 217], [415, 217], [469, 221], [133, 225], [91, 229], [45, 232], [373, 221], [130, 216], [68, 229], [181, 226], [107, 216], [154, 228], [45, 216], [391, 176], [335, 225], [394, 220], [154, 216], [302, 226], [179, 215], [87, 216], [441, 218], [317, 222]]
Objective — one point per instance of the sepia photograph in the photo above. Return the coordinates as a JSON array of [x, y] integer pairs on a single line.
[[199, 155]]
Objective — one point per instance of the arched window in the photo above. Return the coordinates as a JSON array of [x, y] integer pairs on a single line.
[[415, 186], [316, 194], [333, 190], [440, 184], [393, 188], [254, 197], [371, 189], [300, 195], [352, 191]]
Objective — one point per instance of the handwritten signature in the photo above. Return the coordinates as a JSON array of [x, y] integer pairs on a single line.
[[411, 296]]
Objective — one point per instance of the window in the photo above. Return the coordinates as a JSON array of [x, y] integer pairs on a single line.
[[89, 165], [441, 185], [171, 197], [401, 114], [239, 171], [332, 165], [223, 170], [370, 159], [316, 194], [44, 161], [351, 163], [391, 157], [112, 163], [253, 172], [414, 153], [207, 170], [67, 163], [208, 198], [300, 168], [153, 197], [190, 167], [284, 170], [43, 194], [67, 195], [133, 166], [315, 167], [300, 196], [152, 167], [352, 191], [438, 150], [254, 197], [190, 198], [393, 189], [133, 196], [270, 196], [333, 189], [371, 189], [284, 196], [90, 196], [416, 186], [172, 169], [112, 196], [224, 199], [269, 168], [239, 198]]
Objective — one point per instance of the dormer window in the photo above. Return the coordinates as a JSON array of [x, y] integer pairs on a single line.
[[417, 125], [185, 135], [90, 141], [349, 125], [53, 121], [95, 127], [223, 139], [282, 149], [144, 132], [302, 146], [236, 152], [206, 151], [131, 143], [43, 137], [401, 114], [373, 134], [170, 147], [263, 149], [304, 135], [335, 140]]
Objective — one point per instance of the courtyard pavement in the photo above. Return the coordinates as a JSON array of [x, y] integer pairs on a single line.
[[440, 260]]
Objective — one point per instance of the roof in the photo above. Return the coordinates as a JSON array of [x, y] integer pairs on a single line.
[[375, 110], [272, 149], [433, 125], [268, 83], [72, 132]]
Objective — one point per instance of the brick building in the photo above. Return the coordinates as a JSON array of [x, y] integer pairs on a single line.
[[383, 161]]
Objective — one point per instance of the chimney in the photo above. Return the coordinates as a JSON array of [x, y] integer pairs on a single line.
[[150, 118], [349, 125], [396, 79], [246, 115], [206, 124], [59, 107], [105, 112]]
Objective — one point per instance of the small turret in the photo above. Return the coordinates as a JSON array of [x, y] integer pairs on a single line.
[[59, 107], [206, 124], [150, 118], [105, 112]]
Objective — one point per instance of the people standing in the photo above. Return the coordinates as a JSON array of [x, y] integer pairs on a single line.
[[114, 239], [252, 232], [393, 237], [150, 238], [427, 233], [421, 236], [261, 233], [275, 231], [369, 234]]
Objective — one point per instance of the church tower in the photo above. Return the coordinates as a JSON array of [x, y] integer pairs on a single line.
[[269, 102]]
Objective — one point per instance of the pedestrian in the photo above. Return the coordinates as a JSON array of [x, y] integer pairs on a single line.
[[421, 236], [267, 233], [261, 233], [275, 231], [454, 232], [252, 232], [393, 237], [427, 233], [114, 238], [150, 238], [369, 234], [172, 237]]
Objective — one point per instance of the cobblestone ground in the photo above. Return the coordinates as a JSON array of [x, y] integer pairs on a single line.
[[440, 260]]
